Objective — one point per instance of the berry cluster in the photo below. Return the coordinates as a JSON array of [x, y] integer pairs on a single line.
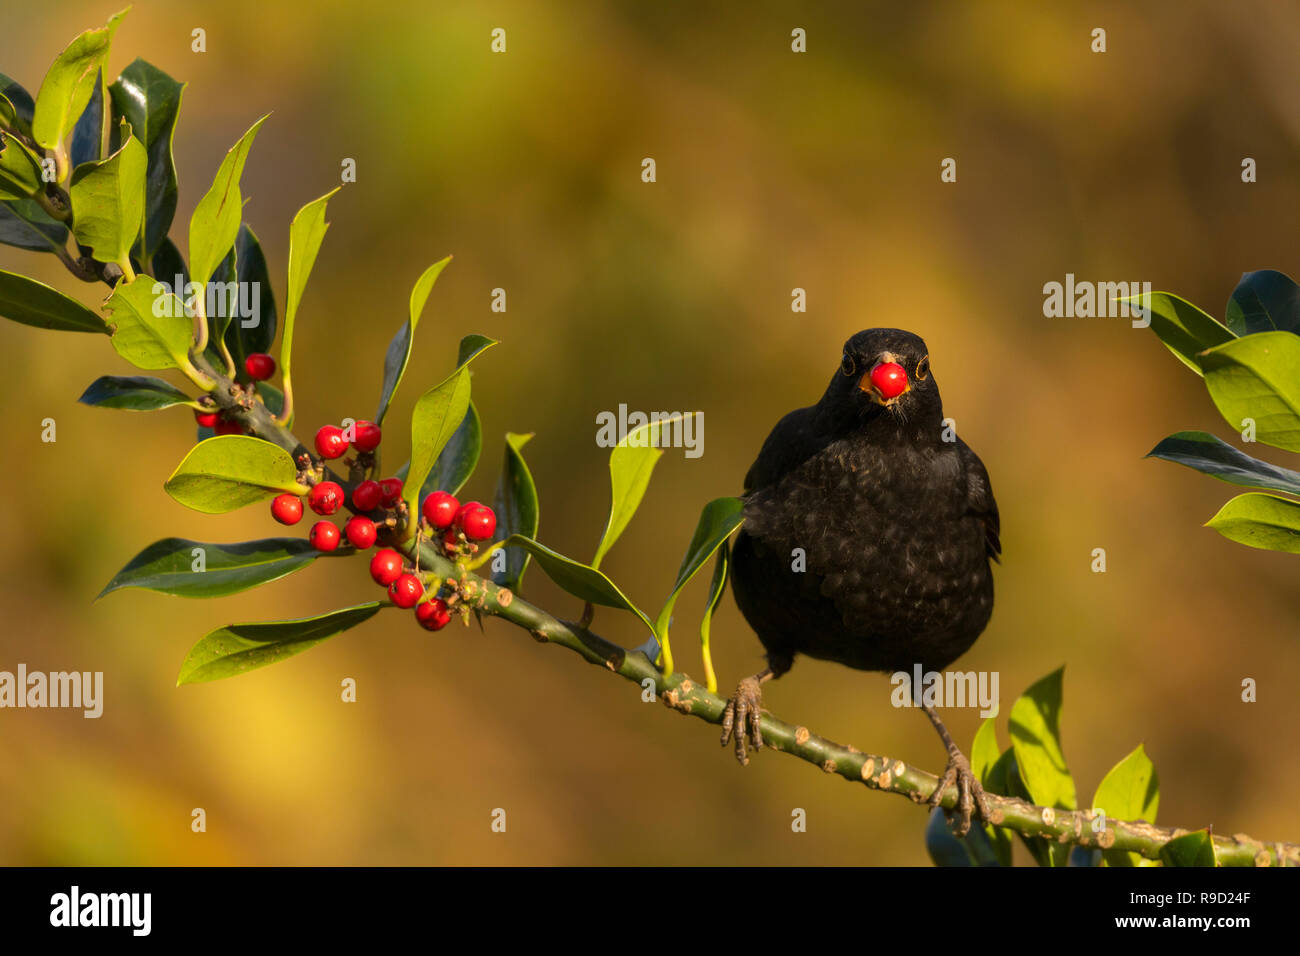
[[461, 527], [327, 497], [259, 367], [459, 524]]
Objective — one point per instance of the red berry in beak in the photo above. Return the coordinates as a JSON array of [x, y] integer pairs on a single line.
[[890, 380]]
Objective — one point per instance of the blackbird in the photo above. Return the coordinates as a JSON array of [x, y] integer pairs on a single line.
[[868, 532]]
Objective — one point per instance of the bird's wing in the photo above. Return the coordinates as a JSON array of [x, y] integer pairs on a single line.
[[979, 499], [791, 443]]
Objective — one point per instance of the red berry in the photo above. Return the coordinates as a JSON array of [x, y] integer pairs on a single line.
[[440, 509], [367, 495], [451, 541], [287, 508], [392, 489], [386, 566], [366, 436], [478, 521], [890, 380], [224, 427], [207, 419], [433, 615], [360, 532], [326, 498], [324, 536], [330, 442], [406, 590], [259, 366]]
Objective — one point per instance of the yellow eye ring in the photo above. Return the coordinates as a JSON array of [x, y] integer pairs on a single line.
[[848, 366], [923, 369]]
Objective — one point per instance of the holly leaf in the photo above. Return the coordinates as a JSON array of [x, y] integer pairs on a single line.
[[168, 566], [399, 349], [141, 393], [239, 648], [1183, 328], [215, 222], [108, 201], [1036, 738], [150, 101], [1220, 460], [1129, 791], [248, 334], [1264, 301], [1191, 849], [34, 303], [1258, 377], [153, 331], [1260, 521], [70, 83], [24, 224], [230, 471], [631, 464], [516, 507]]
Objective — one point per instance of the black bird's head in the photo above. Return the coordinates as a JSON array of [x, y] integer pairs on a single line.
[[885, 371]]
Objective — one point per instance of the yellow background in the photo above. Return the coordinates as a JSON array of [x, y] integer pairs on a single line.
[[775, 171]]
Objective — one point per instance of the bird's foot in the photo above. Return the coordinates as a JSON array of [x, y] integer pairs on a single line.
[[970, 795], [740, 719]]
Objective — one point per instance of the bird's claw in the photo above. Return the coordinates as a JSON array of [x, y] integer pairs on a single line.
[[741, 718], [970, 795]]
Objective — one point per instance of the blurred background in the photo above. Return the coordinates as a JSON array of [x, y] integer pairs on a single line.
[[775, 171]]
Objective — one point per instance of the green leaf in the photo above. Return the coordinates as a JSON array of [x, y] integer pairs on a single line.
[[1191, 849], [582, 581], [1036, 738], [70, 84], [141, 393], [272, 398], [87, 144], [1004, 779], [943, 847], [215, 222], [516, 507], [1260, 521], [231, 471], [399, 349], [1258, 377], [251, 273], [472, 346], [1220, 460], [631, 464], [168, 263], [1264, 301], [23, 223], [1185, 329], [1129, 791], [718, 519], [150, 100], [717, 585], [20, 169], [34, 303], [984, 758], [16, 103], [143, 337], [108, 201], [238, 648], [220, 301], [306, 233], [437, 415], [167, 566], [457, 460]]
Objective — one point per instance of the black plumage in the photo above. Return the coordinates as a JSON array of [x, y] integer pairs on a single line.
[[868, 535]]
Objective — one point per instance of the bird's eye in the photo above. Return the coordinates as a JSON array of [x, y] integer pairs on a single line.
[[923, 369], [848, 366]]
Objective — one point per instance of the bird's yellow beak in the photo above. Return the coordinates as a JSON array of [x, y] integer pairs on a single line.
[[886, 381]]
